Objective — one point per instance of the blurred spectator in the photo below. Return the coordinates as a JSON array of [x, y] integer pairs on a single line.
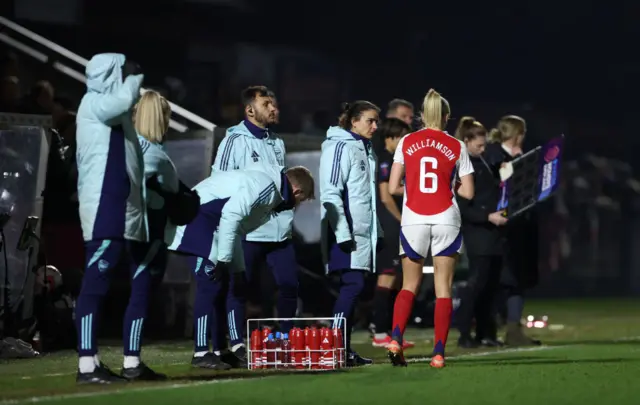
[[61, 230], [40, 99], [60, 109], [8, 64], [401, 109], [9, 94], [309, 127]]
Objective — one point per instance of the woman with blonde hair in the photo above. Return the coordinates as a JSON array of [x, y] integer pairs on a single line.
[[520, 270], [509, 133], [151, 121], [169, 201], [427, 160]]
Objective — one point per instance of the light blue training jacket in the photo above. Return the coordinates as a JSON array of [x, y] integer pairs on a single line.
[[348, 199], [110, 164], [157, 163], [232, 204], [240, 148]]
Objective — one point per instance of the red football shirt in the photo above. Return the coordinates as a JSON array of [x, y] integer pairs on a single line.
[[431, 158]]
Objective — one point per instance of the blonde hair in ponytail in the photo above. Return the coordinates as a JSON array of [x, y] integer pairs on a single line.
[[509, 127], [151, 117], [435, 110]]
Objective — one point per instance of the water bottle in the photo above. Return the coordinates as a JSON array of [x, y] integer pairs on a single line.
[[286, 351], [278, 350], [271, 351]]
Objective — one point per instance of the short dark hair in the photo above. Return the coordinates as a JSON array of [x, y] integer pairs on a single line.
[[271, 94], [393, 128], [398, 102], [353, 111], [249, 94], [390, 128]]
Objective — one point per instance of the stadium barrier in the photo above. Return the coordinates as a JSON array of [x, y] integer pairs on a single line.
[[24, 152]]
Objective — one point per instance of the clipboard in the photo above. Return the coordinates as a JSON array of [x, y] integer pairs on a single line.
[[531, 178]]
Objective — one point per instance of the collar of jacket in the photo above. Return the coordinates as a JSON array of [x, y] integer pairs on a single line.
[[286, 191], [365, 142], [260, 133]]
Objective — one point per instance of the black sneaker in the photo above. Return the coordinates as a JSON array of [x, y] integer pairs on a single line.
[[237, 359], [467, 342], [142, 373], [210, 361], [355, 360], [100, 375], [488, 342]]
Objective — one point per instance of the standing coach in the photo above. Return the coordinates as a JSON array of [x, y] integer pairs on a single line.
[[251, 142], [483, 238]]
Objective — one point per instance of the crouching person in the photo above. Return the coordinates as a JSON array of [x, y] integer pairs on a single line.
[[232, 204]]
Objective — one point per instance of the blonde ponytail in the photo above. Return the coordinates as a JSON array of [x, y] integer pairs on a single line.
[[509, 127], [435, 110], [495, 136], [151, 117]]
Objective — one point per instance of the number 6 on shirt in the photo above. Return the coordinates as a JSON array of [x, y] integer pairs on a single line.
[[427, 165]]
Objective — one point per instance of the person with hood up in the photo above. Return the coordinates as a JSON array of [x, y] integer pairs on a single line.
[[111, 196], [350, 228]]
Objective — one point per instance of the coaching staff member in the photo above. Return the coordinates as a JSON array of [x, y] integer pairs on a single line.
[[483, 238]]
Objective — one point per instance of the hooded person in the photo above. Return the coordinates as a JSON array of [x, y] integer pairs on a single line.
[[111, 195]]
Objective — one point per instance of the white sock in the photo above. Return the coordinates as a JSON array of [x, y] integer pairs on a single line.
[[86, 364], [217, 352], [199, 354], [96, 360], [236, 347], [131, 361], [381, 336]]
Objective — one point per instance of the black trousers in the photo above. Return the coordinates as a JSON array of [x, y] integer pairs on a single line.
[[479, 296]]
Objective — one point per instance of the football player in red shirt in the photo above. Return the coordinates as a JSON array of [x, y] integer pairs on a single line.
[[429, 160]]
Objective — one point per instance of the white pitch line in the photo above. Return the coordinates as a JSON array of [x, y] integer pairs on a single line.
[[628, 339], [232, 380], [175, 363], [490, 353], [193, 384], [123, 391], [414, 360]]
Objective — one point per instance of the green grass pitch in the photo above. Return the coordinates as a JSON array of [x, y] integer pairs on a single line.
[[594, 358]]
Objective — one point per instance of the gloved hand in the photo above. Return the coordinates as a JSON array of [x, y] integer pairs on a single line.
[[347, 246], [130, 68], [220, 272], [183, 207], [379, 245], [239, 285], [154, 184]]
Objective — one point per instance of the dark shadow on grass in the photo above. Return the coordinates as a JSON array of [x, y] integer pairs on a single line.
[[204, 375], [519, 361]]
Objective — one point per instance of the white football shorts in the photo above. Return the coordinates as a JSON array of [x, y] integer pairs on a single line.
[[443, 240]]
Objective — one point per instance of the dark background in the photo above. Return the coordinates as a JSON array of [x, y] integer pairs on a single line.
[[566, 67]]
